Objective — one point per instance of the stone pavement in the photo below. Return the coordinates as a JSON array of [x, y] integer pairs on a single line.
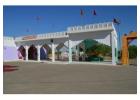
[[44, 78]]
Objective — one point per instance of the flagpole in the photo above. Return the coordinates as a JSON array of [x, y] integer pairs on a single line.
[[82, 13]]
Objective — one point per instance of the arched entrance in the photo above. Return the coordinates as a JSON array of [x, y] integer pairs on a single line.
[[126, 40], [91, 50], [45, 52], [32, 53], [62, 52], [21, 52]]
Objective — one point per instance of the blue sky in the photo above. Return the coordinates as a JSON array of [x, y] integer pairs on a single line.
[[25, 20]]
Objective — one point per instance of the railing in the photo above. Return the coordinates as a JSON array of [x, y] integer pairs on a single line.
[[52, 35], [44, 36], [91, 27]]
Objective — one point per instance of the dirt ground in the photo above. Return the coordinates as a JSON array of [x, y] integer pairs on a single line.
[[44, 78]]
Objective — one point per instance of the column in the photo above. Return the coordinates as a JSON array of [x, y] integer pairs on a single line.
[[77, 52], [38, 52], [70, 51], [113, 48], [53, 52], [26, 50], [17, 48]]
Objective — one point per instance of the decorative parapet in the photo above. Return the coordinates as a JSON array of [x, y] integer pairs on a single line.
[[52, 35], [42, 36], [91, 27]]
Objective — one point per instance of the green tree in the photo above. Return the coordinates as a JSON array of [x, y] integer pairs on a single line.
[[132, 51], [99, 48], [103, 49]]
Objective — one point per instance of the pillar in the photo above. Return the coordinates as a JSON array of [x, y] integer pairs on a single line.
[[26, 50], [70, 50], [113, 48], [125, 53], [53, 52], [38, 52], [77, 52]]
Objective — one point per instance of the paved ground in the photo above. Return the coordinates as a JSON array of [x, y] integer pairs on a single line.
[[46, 78]]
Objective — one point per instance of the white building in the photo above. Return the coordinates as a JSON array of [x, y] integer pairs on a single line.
[[102, 32]]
